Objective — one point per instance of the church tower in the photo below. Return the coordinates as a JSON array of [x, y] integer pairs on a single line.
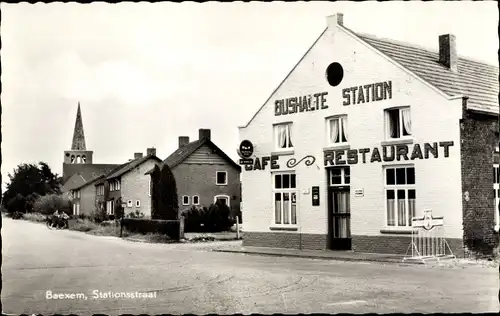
[[78, 153]]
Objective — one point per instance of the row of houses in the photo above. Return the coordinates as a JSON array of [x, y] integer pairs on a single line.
[[204, 174]]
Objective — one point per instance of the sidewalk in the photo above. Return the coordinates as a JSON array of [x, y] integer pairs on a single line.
[[316, 254]]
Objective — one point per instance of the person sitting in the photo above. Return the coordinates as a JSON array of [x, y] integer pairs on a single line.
[[59, 217]]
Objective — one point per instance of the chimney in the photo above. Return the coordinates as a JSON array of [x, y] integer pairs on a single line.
[[183, 141], [335, 19], [137, 155], [448, 52], [204, 133], [151, 151]]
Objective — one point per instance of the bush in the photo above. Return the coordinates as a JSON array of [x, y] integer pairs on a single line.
[[84, 225], [35, 217], [136, 214], [17, 215], [215, 218], [48, 204], [145, 226]]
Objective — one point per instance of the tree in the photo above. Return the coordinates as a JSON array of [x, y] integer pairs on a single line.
[[29, 182], [119, 211], [166, 193], [155, 182]]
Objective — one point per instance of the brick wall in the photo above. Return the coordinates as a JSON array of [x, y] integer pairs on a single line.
[[135, 186], [200, 180], [479, 137], [396, 244], [285, 240], [87, 199]]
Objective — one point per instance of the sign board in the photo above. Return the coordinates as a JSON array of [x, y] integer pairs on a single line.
[[315, 196], [246, 161], [305, 191], [359, 192], [427, 221], [246, 149]]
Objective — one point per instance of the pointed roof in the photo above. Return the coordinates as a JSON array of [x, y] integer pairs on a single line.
[[181, 154], [78, 135], [478, 81]]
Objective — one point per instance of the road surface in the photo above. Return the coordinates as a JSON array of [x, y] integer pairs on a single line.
[[39, 263]]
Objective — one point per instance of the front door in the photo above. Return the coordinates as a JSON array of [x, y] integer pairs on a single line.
[[339, 219]]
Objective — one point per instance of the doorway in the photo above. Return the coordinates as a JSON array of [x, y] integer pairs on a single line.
[[339, 209]]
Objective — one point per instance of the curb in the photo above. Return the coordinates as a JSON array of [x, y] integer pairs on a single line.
[[316, 257]]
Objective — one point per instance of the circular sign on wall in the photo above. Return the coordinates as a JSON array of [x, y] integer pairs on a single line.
[[246, 149]]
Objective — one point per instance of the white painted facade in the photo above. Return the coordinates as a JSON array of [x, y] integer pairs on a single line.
[[435, 118]]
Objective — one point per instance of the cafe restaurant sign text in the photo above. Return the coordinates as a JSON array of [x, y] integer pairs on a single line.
[[301, 104], [399, 152]]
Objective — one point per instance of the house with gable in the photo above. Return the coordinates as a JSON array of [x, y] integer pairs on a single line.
[[204, 174], [364, 135], [129, 183]]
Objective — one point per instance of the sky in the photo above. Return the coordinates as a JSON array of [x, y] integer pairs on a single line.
[[146, 74]]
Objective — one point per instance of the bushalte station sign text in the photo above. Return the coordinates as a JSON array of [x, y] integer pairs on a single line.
[[304, 103], [368, 93], [388, 153]]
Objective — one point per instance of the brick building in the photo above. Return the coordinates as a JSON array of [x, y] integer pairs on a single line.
[[204, 173], [363, 135]]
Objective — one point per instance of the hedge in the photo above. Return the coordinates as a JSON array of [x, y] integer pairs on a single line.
[[145, 226], [215, 218]]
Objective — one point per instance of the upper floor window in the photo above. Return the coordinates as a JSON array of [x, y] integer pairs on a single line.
[[398, 122], [185, 200], [283, 136], [114, 185], [221, 178], [118, 185], [337, 130]]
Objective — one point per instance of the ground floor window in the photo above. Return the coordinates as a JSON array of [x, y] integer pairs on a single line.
[[224, 199], [285, 199], [400, 195], [110, 207], [76, 208]]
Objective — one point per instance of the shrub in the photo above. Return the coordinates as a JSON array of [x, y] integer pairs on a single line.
[[17, 215], [165, 199], [35, 217], [145, 226], [84, 225], [136, 214], [212, 219], [48, 204]]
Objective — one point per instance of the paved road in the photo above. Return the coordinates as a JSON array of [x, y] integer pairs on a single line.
[[190, 279]]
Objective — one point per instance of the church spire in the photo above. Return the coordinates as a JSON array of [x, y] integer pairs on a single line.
[[78, 135]]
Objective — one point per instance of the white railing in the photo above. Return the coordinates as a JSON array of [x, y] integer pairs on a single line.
[[428, 240]]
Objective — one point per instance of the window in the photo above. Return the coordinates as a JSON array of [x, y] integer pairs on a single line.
[[129, 203], [110, 207], [222, 199], [400, 195], [283, 136], [84, 159], [337, 130], [112, 186], [221, 178], [196, 200], [100, 189], [185, 200], [285, 199], [117, 185], [398, 123], [340, 176], [137, 203], [76, 208], [78, 159]]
